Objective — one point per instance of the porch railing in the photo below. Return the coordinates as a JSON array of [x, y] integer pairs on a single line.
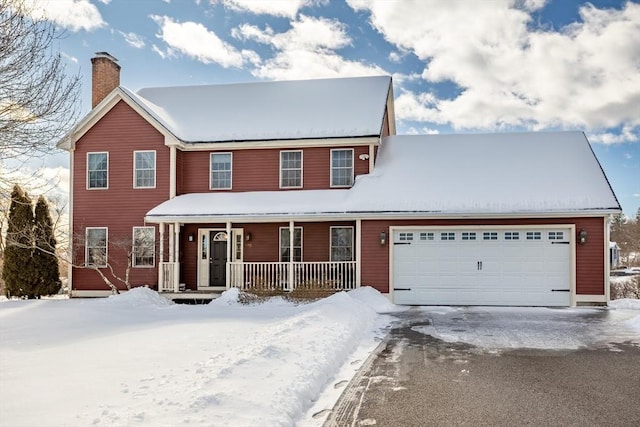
[[337, 275], [169, 277]]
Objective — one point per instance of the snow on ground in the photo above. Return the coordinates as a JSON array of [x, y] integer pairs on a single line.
[[136, 359], [497, 328]]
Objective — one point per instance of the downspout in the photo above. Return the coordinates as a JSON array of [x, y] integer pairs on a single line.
[[70, 255]]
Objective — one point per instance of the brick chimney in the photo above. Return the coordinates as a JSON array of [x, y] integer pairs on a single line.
[[105, 76]]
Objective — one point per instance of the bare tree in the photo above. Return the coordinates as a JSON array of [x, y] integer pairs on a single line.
[[38, 99]]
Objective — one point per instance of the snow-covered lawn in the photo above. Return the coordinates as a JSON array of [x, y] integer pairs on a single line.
[[137, 359]]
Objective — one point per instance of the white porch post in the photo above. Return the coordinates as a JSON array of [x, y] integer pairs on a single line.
[[291, 233], [227, 266], [161, 258], [176, 257], [358, 251]]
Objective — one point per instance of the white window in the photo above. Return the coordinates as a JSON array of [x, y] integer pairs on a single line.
[[490, 235], [342, 168], [144, 169], [221, 171], [534, 235], [96, 246], [144, 246], [556, 235], [511, 235], [341, 243], [405, 237], [447, 236], [290, 169], [284, 244], [426, 236], [97, 170], [468, 235]]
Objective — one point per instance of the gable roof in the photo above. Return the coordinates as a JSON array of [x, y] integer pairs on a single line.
[[258, 111], [517, 174], [323, 108]]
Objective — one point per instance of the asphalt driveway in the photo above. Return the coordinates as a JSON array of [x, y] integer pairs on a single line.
[[499, 367]]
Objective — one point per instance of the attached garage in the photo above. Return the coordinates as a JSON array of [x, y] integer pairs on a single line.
[[485, 265]]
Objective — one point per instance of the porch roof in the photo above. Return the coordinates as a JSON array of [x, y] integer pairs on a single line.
[[509, 174]]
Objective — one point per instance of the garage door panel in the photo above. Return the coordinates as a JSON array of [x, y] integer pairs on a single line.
[[513, 267]]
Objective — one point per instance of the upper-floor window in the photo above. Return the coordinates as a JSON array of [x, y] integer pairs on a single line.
[[342, 168], [96, 246], [290, 169], [285, 247], [144, 169], [144, 246], [221, 171], [97, 170], [341, 243]]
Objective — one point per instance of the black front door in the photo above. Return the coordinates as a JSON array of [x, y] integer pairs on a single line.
[[217, 261]]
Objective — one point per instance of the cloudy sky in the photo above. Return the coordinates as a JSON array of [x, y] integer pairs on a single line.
[[457, 65]]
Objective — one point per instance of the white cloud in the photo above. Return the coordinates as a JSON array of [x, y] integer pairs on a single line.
[[195, 40], [283, 8], [74, 15], [133, 39], [628, 133], [306, 50], [69, 57], [512, 74]]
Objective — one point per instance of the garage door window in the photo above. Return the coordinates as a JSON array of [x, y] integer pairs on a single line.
[[511, 235], [468, 235], [447, 236], [556, 235], [490, 235], [426, 236], [405, 237], [534, 235]]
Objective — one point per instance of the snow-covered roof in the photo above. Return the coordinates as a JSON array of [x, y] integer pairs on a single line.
[[323, 108], [433, 175]]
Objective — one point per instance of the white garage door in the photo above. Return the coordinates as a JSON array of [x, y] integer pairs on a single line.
[[501, 266]]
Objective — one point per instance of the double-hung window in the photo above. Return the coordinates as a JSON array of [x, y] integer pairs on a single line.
[[97, 170], [96, 246], [221, 171], [290, 169], [342, 168], [341, 243], [144, 169], [144, 246], [285, 247]]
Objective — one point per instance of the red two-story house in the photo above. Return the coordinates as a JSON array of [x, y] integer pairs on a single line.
[[281, 185]]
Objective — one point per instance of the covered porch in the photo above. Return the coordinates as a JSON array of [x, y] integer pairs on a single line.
[[274, 256]]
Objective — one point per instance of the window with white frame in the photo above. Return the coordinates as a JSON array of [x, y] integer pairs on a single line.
[[144, 169], [144, 246], [221, 171], [96, 246], [342, 168], [341, 243], [285, 247], [291, 169], [97, 170]]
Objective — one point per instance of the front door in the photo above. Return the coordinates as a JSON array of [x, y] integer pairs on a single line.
[[217, 259]]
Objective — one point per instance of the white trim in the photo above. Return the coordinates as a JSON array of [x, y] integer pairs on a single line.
[[215, 153], [280, 144], [172, 171], [227, 266], [358, 249], [230, 240], [135, 178], [106, 243], [291, 241], [391, 116], [372, 155], [590, 298], [331, 184], [91, 294], [352, 242], [73, 248], [301, 169], [87, 170], [607, 258], [133, 246], [572, 248]]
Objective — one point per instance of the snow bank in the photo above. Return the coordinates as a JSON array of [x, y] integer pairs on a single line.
[[132, 364], [626, 303], [374, 299]]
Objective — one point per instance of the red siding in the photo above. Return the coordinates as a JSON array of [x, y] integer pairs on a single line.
[[589, 258], [259, 169], [120, 207]]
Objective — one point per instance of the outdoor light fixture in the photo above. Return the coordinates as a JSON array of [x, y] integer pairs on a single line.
[[248, 237], [582, 237], [191, 237], [383, 238]]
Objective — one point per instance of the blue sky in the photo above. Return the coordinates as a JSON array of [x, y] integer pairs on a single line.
[[458, 66]]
